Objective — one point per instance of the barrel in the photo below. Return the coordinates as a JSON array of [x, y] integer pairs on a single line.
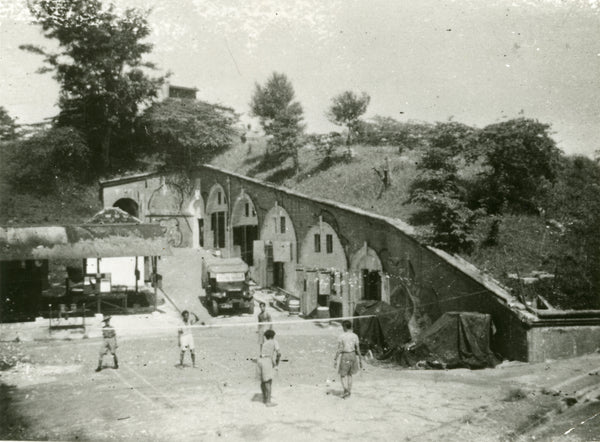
[[322, 312], [294, 306]]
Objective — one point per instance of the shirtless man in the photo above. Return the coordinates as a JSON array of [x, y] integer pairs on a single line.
[[350, 360], [263, 316], [186, 339]]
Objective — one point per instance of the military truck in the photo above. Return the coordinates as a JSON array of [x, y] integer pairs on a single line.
[[225, 281]]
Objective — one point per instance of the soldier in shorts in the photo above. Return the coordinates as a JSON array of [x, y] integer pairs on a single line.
[[109, 343], [350, 360], [186, 339]]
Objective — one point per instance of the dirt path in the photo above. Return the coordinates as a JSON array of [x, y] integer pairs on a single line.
[[59, 396]]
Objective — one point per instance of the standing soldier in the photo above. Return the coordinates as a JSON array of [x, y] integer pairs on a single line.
[[350, 360], [186, 339], [263, 316], [109, 343], [268, 362]]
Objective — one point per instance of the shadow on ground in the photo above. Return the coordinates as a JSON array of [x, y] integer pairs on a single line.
[[12, 425]]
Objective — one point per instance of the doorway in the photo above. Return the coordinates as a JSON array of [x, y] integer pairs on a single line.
[[278, 275], [371, 285], [200, 232]]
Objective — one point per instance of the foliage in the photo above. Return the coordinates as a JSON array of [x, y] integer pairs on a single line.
[[280, 115], [457, 138], [577, 204], [187, 132], [99, 67], [8, 127], [346, 109], [48, 160], [522, 162], [388, 131], [326, 144], [440, 193]]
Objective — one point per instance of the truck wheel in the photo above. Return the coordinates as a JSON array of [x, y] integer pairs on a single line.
[[251, 307], [214, 306]]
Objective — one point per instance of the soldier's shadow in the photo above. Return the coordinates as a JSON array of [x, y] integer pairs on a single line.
[[258, 397], [333, 392]]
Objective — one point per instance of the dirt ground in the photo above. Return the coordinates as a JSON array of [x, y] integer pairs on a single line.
[[54, 392]]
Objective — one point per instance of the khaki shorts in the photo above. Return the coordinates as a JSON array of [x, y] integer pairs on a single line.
[[186, 342], [109, 345], [348, 364]]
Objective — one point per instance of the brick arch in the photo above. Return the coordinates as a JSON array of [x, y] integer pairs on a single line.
[[336, 260], [244, 226], [129, 205], [217, 218]]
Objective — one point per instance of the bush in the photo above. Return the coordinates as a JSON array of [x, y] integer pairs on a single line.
[[47, 160]]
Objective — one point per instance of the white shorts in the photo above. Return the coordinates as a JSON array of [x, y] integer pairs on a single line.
[[186, 342]]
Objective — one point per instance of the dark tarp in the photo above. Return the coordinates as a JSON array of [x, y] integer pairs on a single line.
[[386, 331], [456, 339]]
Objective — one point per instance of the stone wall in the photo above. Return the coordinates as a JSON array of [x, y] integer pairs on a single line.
[[424, 281]]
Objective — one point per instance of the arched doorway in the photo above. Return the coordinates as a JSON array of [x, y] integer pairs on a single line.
[[275, 255], [128, 205], [196, 213], [216, 217], [367, 266], [322, 274], [244, 223]]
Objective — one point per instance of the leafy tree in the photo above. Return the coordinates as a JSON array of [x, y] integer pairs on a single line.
[[442, 197], [522, 162], [187, 132], [576, 203], [346, 109], [389, 131], [457, 138], [8, 127], [280, 115], [48, 161], [99, 66]]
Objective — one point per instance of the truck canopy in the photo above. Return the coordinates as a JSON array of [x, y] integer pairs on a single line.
[[226, 265]]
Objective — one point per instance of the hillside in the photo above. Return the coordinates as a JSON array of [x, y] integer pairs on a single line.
[[525, 242]]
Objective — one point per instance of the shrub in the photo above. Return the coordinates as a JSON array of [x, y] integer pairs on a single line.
[[47, 160]]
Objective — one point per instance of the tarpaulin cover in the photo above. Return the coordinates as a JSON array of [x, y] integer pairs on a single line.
[[387, 330], [456, 339]]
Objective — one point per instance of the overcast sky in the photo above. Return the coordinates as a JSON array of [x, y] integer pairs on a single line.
[[479, 62]]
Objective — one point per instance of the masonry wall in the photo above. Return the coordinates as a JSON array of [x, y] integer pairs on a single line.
[[420, 280]]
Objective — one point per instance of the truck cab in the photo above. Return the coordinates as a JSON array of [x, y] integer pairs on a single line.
[[225, 281]]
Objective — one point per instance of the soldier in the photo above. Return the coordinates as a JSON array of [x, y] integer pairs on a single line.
[[109, 343], [268, 362], [350, 360], [186, 339], [263, 316]]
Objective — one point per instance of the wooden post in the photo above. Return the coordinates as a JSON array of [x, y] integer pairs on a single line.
[[155, 279]]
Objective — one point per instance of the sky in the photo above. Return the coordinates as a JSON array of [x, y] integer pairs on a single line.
[[475, 61]]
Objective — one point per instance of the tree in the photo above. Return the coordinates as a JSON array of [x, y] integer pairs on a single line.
[[522, 162], [457, 138], [280, 115], [576, 203], [99, 67], [8, 127], [442, 196], [187, 132], [346, 109], [49, 160]]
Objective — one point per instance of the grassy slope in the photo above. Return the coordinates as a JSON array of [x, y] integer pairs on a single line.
[[524, 243], [69, 206]]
